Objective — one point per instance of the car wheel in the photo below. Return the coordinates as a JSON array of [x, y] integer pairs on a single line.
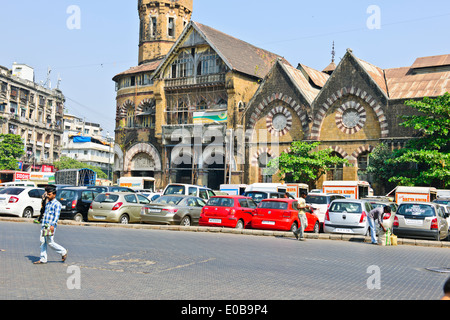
[[124, 219], [240, 224], [186, 221], [317, 227], [294, 227], [27, 213], [78, 217]]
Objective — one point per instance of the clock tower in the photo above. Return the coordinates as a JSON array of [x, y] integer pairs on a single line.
[[161, 23]]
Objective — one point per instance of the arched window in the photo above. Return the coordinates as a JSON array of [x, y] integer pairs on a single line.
[[183, 66], [266, 174], [130, 117], [363, 162]]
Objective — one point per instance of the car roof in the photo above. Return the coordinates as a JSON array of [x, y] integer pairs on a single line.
[[279, 199], [231, 197], [351, 200]]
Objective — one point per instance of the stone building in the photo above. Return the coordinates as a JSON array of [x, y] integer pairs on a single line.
[[206, 108], [34, 112], [351, 111], [197, 92]]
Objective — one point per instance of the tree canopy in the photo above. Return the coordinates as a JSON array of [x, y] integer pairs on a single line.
[[69, 163], [11, 150]]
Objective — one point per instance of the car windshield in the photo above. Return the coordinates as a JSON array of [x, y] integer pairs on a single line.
[[349, 207], [256, 196], [422, 210], [174, 190], [316, 199], [446, 202], [65, 195], [106, 198], [220, 202], [168, 200], [273, 205], [12, 191]]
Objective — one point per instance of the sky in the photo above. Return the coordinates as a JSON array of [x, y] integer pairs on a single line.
[[87, 46]]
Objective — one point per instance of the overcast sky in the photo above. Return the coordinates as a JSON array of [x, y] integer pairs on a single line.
[[386, 33]]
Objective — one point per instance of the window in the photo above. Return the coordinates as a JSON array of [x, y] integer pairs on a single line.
[[210, 63], [130, 198], [203, 194], [337, 171], [171, 27], [183, 66], [130, 117], [143, 199], [153, 24]]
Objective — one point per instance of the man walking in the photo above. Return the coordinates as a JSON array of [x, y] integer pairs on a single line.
[[302, 206], [49, 223], [377, 215]]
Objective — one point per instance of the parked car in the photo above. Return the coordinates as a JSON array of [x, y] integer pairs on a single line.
[[258, 196], [281, 214], [151, 196], [443, 200], [75, 202], [421, 220], [228, 211], [101, 189], [188, 190], [348, 216], [21, 201], [321, 201], [171, 209], [388, 218], [118, 207]]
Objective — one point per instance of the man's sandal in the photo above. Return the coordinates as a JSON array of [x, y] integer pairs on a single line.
[[64, 257], [39, 262]]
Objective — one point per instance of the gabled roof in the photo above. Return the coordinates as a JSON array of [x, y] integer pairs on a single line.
[[433, 61], [146, 67], [238, 55]]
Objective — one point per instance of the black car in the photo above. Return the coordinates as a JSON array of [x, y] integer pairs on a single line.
[[102, 189], [75, 202]]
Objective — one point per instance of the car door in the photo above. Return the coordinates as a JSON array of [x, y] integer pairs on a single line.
[[199, 204], [87, 196], [133, 207], [34, 200]]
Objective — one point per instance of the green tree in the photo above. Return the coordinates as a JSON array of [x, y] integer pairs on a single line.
[[425, 161], [11, 150], [305, 163], [69, 163]]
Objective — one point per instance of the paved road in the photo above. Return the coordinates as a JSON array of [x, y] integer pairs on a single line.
[[115, 263]]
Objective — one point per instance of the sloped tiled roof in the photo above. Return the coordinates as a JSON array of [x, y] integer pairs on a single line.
[[240, 55], [432, 61], [317, 77], [303, 84], [147, 67]]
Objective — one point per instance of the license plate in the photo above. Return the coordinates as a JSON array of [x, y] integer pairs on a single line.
[[215, 221], [154, 210], [270, 223], [63, 207], [100, 217], [341, 230], [414, 222]]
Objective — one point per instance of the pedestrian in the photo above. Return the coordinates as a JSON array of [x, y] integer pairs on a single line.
[[43, 204], [49, 224], [302, 206], [376, 215], [446, 290]]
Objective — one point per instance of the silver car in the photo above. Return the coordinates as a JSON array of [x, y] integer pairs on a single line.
[[348, 217], [173, 209], [118, 207], [388, 218], [424, 220]]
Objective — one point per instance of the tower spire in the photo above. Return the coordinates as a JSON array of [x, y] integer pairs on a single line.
[[333, 54]]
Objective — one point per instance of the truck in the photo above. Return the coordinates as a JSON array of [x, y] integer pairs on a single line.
[[349, 189], [76, 177], [413, 194], [294, 189], [138, 183], [233, 189]]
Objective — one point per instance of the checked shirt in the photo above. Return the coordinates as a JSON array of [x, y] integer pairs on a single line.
[[52, 212]]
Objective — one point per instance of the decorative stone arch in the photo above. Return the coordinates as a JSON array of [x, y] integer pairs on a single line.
[[142, 148], [298, 108], [357, 92], [261, 151], [340, 151], [145, 102], [122, 109], [361, 150]]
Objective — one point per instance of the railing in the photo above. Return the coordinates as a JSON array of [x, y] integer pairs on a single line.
[[196, 81]]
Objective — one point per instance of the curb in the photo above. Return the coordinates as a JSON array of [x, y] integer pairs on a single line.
[[251, 232]]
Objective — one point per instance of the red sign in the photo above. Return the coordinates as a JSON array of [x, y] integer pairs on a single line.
[[21, 176], [45, 168]]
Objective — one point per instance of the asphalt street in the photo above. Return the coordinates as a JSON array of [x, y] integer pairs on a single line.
[[135, 264]]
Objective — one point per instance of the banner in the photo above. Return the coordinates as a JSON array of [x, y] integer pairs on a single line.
[[210, 117]]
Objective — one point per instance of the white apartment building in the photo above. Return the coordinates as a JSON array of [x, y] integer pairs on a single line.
[[35, 113], [84, 142]]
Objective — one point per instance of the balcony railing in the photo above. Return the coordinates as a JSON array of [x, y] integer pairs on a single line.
[[210, 79]]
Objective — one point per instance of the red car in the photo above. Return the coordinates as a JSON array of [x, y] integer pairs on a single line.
[[282, 214], [228, 211]]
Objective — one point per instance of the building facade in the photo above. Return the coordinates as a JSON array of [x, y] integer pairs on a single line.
[[206, 108], [35, 113]]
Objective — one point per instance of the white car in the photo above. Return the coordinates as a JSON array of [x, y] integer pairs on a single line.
[[322, 202], [21, 201]]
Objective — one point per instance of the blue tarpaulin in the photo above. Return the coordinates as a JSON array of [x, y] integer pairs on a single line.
[[81, 139]]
